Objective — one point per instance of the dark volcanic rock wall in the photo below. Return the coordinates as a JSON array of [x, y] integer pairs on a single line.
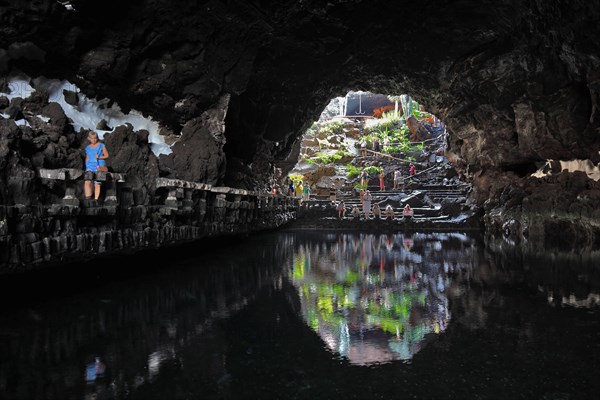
[[516, 82]]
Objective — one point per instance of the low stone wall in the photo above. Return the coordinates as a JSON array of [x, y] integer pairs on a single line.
[[73, 229]]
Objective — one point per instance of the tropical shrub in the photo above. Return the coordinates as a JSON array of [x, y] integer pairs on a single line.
[[327, 157], [330, 128], [373, 170], [352, 170], [296, 178]]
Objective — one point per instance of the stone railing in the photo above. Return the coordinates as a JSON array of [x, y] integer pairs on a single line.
[[73, 229], [72, 177]]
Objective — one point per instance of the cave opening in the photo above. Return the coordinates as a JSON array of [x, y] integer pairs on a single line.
[[365, 131]]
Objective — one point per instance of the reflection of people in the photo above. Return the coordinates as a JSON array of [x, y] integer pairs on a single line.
[[95, 370], [95, 154]]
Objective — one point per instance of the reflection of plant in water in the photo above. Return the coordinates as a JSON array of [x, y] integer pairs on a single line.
[[353, 295], [327, 301]]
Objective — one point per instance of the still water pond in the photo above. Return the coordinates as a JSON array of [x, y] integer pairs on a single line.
[[309, 316]]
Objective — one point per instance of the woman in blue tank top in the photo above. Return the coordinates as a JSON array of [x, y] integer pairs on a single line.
[[95, 154]]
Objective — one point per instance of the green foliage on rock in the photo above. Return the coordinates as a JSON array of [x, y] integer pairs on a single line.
[[352, 171], [327, 157], [373, 170], [330, 128]]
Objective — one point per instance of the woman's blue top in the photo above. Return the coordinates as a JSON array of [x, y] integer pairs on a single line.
[[92, 163]]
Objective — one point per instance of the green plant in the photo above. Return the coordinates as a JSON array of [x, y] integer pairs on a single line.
[[296, 178], [331, 128], [358, 186], [373, 170], [352, 171], [327, 157]]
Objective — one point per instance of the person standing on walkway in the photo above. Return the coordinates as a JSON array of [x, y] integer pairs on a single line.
[[95, 154], [363, 147], [382, 180], [306, 192]]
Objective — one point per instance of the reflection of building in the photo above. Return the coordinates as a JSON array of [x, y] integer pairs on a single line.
[[372, 299]]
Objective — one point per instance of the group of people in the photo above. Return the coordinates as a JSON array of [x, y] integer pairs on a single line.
[[398, 180], [376, 145], [300, 190], [407, 212]]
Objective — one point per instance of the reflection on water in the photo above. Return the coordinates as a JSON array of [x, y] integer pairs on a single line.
[[120, 339], [374, 298], [311, 316]]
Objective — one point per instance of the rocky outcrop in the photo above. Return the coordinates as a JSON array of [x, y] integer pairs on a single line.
[[198, 156], [516, 84]]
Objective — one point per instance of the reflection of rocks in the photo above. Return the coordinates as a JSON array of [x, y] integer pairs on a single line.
[[162, 316]]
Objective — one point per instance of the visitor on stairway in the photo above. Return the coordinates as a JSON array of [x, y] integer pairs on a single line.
[[341, 209], [363, 147], [397, 178], [382, 180], [306, 192], [407, 212], [389, 212], [355, 212], [367, 198], [364, 179], [412, 170], [376, 146], [376, 211]]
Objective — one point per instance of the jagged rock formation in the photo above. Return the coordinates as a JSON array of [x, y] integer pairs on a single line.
[[516, 83]]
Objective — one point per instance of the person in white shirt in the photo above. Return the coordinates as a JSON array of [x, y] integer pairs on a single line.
[[397, 178]]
